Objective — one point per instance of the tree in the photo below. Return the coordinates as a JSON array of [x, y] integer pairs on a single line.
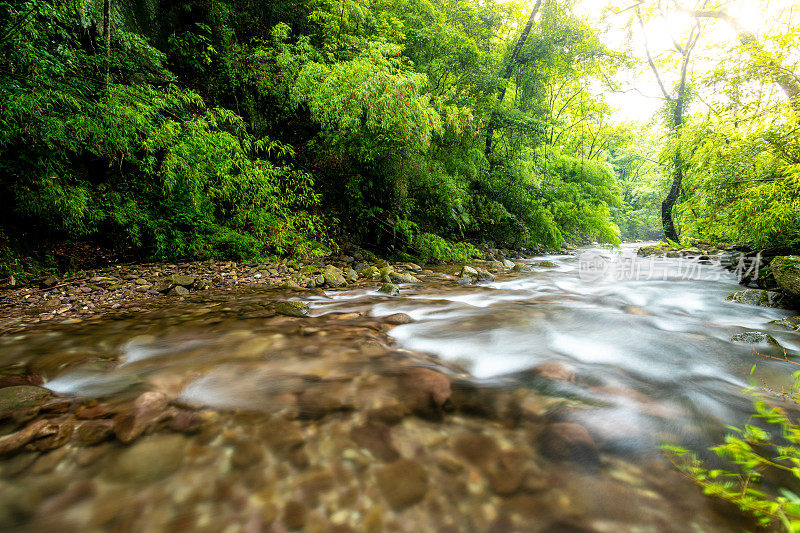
[[787, 80], [507, 74], [676, 100]]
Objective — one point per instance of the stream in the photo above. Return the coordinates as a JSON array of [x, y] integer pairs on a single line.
[[536, 402]]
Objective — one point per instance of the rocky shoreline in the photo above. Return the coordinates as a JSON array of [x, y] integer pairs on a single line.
[[305, 421], [90, 295], [771, 276]]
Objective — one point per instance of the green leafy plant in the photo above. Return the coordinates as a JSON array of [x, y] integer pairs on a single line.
[[763, 475]]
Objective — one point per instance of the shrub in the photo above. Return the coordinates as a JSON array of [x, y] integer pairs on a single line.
[[755, 455]]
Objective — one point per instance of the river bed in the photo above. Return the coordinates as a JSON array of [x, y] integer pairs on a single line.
[[536, 402]]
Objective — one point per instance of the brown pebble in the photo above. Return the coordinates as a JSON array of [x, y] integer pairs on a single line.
[[93, 432], [567, 441], [294, 515], [146, 410], [15, 441], [403, 483], [424, 391], [53, 435], [398, 319], [377, 438], [388, 414], [476, 448]]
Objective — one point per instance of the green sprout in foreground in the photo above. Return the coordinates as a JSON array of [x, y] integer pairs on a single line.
[[754, 458]]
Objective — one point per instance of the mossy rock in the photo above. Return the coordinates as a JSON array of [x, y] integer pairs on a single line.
[[786, 270], [21, 398], [389, 288], [288, 308], [758, 297]]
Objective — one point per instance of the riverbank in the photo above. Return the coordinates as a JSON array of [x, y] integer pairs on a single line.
[[227, 409], [90, 295], [771, 275]]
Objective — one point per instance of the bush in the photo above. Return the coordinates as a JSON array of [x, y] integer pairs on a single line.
[[756, 456]]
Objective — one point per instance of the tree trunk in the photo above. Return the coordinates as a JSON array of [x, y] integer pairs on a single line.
[[507, 74], [107, 39]]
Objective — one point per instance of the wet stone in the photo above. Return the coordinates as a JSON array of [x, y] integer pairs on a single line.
[[398, 319], [424, 391], [403, 483], [148, 460], [377, 438], [753, 337], [94, 432], [53, 435], [476, 448], [146, 410], [178, 290], [21, 398], [185, 281], [569, 442], [389, 288], [294, 515], [290, 308]]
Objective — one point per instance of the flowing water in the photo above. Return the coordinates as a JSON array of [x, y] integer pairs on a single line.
[[271, 423]]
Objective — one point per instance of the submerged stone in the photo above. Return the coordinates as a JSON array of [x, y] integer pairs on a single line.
[[21, 398], [565, 441], [148, 460], [288, 308], [403, 483], [754, 337]]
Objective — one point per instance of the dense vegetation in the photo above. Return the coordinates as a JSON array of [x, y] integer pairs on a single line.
[[243, 128]]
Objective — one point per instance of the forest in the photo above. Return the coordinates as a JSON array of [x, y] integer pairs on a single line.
[[242, 129]]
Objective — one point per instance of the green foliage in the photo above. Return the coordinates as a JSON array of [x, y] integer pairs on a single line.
[[225, 129], [744, 187], [758, 456], [140, 165]]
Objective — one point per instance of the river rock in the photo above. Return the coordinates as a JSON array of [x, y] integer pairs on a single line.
[[398, 319], [790, 323], [546, 264], [759, 297], [403, 483], [15, 441], [402, 277], [555, 371], [377, 438], [478, 449], [146, 410], [148, 460], [94, 432], [506, 472], [178, 290], [21, 398], [468, 272], [291, 308], [53, 435], [754, 337], [786, 270], [371, 272], [389, 288], [184, 281], [48, 282], [424, 391], [566, 441], [294, 515], [333, 277], [521, 267]]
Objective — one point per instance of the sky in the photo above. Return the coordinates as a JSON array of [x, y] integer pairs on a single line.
[[642, 96]]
